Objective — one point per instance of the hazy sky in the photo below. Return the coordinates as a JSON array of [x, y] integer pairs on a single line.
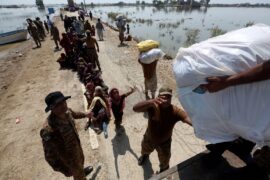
[[113, 1]]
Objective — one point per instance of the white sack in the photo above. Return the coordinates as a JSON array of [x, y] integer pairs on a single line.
[[119, 17], [240, 111], [150, 56], [121, 23]]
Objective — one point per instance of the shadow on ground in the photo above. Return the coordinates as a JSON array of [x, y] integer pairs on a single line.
[[121, 145]]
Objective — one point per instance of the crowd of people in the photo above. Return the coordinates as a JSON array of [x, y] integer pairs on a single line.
[[37, 30], [81, 55], [60, 138]]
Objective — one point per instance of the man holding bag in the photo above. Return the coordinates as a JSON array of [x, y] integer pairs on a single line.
[[259, 166]]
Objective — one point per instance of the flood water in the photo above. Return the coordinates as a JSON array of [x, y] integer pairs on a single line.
[[15, 18], [170, 26]]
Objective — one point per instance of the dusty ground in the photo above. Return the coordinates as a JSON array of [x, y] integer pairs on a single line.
[[12, 57], [21, 154]]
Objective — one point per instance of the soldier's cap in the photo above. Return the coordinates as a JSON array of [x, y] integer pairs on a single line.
[[165, 91], [53, 99], [88, 32]]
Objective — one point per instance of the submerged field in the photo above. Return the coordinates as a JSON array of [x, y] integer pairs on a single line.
[[175, 28]]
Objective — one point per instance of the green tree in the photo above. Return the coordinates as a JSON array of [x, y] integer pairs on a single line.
[[143, 3], [174, 2], [82, 5], [160, 3], [70, 3], [39, 3]]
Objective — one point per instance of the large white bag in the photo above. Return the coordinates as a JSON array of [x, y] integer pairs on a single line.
[[240, 111], [119, 17], [151, 56], [121, 23]]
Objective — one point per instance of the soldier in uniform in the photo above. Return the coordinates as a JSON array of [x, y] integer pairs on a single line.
[[162, 118], [33, 31], [46, 27], [56, 35], [40, 27], [60, 138]]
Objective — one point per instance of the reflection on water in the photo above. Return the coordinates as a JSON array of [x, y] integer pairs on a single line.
[[14, 18], [176, 27]]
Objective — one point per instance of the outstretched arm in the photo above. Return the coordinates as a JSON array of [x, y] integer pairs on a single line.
[[182, 116], [132, 89], [145, 105], [79, 115], [260, 72]]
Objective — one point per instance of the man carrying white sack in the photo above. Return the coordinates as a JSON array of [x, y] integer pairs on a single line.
[[236, 117], [149, 60], [259, 166], [150, 78]]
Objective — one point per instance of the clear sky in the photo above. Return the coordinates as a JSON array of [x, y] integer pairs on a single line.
[[2, 2]]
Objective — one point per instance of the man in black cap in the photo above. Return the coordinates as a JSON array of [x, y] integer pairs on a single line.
[[162, 116], [60, 138]]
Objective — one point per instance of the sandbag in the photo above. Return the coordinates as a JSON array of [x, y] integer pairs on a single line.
[[147, 45], [151, 56], [239, 111]]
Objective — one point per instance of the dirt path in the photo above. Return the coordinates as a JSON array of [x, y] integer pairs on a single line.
[[121, 70], [21, 154]]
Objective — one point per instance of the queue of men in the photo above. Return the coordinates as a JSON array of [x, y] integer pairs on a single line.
[[62, 146]]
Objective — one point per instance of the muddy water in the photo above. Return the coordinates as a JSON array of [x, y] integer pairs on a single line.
[[15, 18], [171, 26]]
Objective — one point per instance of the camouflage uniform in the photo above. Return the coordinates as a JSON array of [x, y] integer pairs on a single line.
[[41, 28], [56, 35], [33, 31], [62, 145]]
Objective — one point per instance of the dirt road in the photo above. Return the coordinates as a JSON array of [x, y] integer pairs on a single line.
[[21, 154]]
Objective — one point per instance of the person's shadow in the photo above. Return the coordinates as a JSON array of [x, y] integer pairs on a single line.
[[121, 145], [123, 45], [147, 169]]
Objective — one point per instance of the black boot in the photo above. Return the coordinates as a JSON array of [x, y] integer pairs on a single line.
[[88, 170], [142, 159]]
